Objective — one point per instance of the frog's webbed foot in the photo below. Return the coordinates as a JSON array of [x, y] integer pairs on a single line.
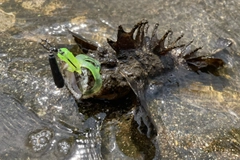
[[126, 40], [158, 45], [84, 44]]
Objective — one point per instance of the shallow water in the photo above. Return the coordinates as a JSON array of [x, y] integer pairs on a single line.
[[40, 121]]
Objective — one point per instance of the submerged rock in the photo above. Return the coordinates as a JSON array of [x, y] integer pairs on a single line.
[[7, 19]]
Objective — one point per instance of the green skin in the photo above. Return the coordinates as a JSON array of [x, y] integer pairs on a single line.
[[81, 60]]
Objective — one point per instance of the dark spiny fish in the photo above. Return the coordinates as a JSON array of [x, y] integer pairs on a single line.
[[157, 70]]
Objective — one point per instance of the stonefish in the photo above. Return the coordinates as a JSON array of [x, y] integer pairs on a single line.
[[178, 89]]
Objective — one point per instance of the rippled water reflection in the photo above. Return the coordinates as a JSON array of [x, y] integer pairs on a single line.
[[40, 121]]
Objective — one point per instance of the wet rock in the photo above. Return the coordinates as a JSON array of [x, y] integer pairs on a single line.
[[32, 5], [223, 43], [64, 147], [40, 140], [15, 131], [41, 6], [7, 20]]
